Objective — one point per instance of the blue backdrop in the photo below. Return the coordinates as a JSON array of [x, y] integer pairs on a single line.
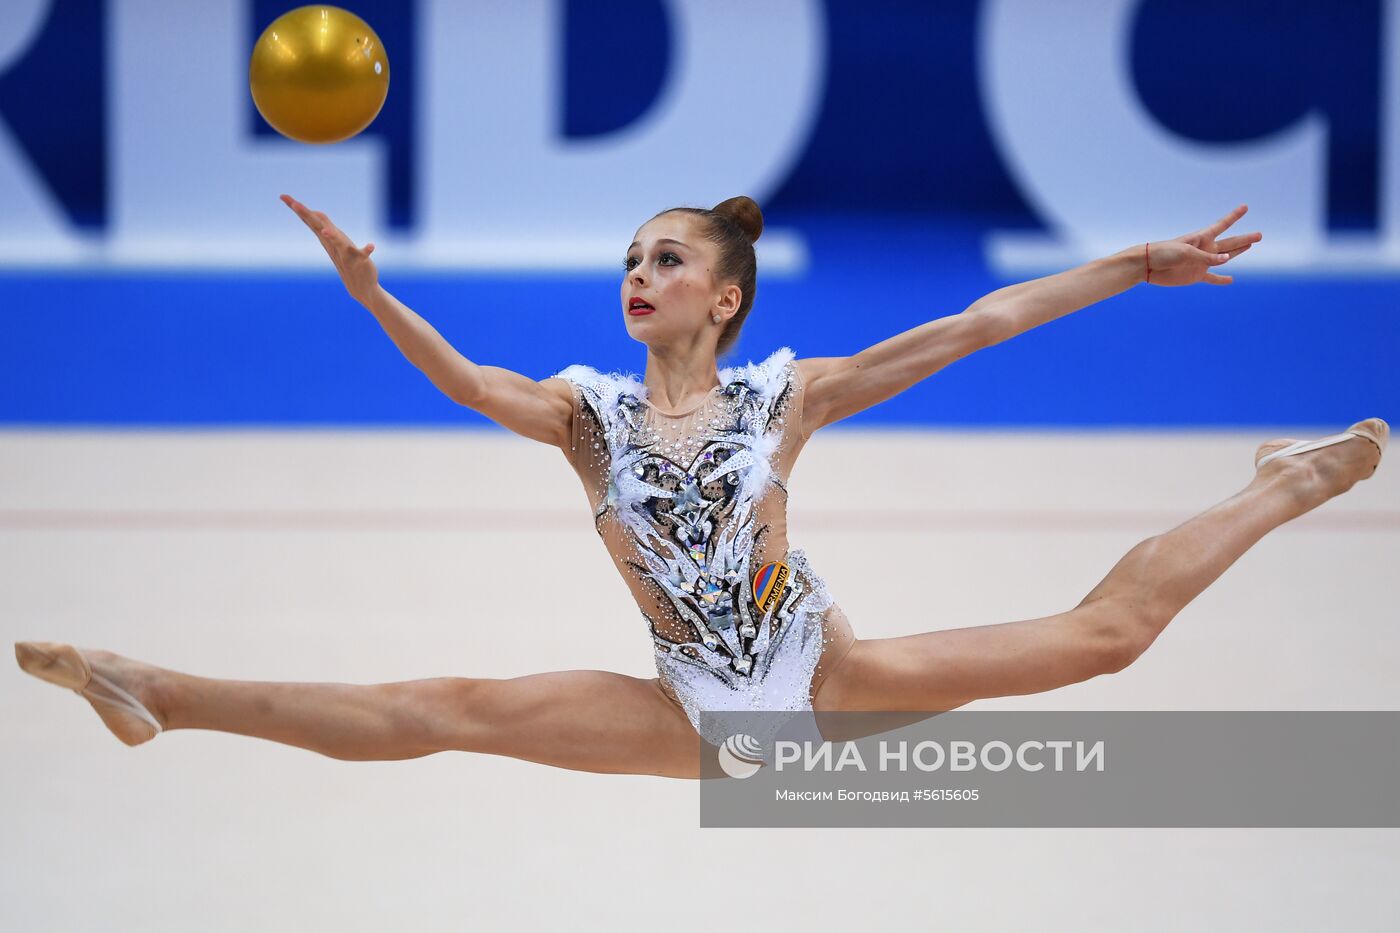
[[894, 190]]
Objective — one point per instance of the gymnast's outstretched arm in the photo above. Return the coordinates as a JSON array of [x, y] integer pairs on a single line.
[[838, 387], [540, 410]]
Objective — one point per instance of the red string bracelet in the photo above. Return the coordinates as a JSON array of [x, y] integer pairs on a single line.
[[1147, 259]]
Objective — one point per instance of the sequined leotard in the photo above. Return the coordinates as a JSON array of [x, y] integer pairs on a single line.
[[692, 507]]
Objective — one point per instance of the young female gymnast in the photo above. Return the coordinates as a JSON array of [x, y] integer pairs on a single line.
[[686, 471]]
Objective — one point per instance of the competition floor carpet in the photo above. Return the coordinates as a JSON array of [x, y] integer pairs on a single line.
[[371, 556]]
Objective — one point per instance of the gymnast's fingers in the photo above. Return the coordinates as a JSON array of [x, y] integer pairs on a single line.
[[1221, 225]]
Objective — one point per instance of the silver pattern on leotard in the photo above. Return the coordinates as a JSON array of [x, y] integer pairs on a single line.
[[692, 533]]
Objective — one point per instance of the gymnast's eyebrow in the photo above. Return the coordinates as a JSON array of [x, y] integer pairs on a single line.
[[663, 240]]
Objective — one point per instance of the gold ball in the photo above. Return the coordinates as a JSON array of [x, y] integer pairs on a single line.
[[318, 74]]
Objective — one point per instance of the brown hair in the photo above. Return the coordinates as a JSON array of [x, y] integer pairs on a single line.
[[734, 226]]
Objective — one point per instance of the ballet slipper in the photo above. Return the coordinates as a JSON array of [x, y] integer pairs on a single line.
[[1372, 429], [65, 666]]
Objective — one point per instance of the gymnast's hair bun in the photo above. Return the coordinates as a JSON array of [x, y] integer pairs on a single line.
[[745, 213]]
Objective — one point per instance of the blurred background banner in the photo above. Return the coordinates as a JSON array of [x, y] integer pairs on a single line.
[[910, 157]]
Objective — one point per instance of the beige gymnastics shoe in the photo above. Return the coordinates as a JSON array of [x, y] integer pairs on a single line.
[[65, 666], [1372, 429]]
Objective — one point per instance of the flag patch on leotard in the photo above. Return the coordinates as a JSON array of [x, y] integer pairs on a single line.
[[768, 584]]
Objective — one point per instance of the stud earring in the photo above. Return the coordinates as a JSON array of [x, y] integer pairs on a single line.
[[716, 318]]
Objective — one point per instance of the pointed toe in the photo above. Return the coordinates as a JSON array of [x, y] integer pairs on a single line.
[[54, 662], [1374, 430], [65, 666]]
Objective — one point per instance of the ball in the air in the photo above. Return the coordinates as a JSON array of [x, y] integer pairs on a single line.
[[318, 74]]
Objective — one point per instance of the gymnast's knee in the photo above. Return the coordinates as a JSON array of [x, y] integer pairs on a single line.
[[1115, 633]]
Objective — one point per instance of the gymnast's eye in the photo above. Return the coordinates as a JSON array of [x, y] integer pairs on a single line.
[[631, 261]]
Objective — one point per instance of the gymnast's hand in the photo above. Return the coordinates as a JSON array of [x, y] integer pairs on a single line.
[[1188, 259], [356, 269]]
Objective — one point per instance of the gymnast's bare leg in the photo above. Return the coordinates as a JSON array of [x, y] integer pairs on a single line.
[[1114, 624], [582, 720]]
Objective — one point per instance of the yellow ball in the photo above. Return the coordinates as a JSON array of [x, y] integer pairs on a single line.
[[319, 74]]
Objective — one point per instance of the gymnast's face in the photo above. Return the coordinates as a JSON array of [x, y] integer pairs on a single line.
[[670, 267]]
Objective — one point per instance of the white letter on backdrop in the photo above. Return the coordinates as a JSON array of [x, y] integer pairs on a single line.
[[737, 104], [1057, 88]]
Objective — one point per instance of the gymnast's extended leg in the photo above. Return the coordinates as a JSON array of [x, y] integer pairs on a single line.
[[1114, 623], [583, 720]]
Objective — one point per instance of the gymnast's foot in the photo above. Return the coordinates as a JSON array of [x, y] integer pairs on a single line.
[[1320, 469], [126, 694]]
